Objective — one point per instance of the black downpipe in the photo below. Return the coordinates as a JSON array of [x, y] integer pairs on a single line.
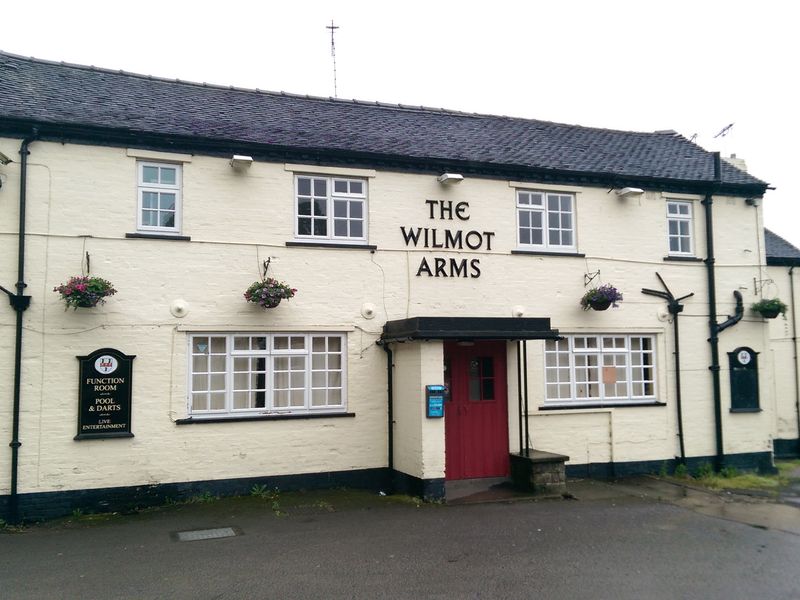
[[20, 303], [674, 307], [714, 328], [796, 370], [676, 330], [519, 394], [525, 383], [390, 407]]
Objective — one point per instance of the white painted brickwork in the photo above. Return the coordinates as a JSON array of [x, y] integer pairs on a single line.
[[83, 199]]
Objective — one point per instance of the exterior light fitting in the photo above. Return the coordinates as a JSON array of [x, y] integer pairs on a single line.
[[629, 192], [4, 160], [450, 178], [241, 163]]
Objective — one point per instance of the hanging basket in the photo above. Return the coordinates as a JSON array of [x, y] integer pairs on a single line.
[[599, 304], [601, 298], [85, 292], [770, 309], [268, 292]]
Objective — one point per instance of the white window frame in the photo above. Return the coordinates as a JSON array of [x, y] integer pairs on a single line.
[[546, 216], [331, 198], [270, 354], [158, 188], [566, 364], [679, 217]]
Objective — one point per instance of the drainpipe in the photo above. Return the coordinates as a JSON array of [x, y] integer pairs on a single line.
[[714, 328], [796, 370], [674, 307], [390, 407], [19, 302]]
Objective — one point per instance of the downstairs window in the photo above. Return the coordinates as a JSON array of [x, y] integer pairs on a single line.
[[600, 370], [242, 374]]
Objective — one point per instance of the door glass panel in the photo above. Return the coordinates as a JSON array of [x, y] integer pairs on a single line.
[[446, 378], [481, 378]]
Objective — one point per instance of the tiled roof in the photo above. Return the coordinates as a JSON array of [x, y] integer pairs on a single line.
[[779, 251], [59, 94]]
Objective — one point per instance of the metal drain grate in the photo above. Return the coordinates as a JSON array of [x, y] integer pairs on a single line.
[[205, 534]]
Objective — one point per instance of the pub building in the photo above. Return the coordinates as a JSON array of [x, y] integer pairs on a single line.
[[312, 292]]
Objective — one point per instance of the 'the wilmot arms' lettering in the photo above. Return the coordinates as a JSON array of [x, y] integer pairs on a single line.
[[448, 239]]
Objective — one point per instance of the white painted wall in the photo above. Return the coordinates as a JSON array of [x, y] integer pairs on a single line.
[[783, 353], [419, 441], [82, 198]]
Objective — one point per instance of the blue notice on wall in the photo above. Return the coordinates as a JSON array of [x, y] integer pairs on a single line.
[[434, 401]]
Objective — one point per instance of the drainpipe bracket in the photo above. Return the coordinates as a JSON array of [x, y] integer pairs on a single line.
[[15, 444], [19, 303]]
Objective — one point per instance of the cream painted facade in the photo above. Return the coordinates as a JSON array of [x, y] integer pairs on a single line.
[[781, 283], [82, 199]]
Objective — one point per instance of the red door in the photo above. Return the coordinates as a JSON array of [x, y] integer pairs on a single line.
[[476, 414]]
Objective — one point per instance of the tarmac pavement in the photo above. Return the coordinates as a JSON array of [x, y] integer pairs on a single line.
[[642, 538]]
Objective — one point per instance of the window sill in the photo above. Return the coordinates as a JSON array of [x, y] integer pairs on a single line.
[[159, 236], [332, 245], [549, 253], [683, 259], [746, 410], [602, 405], [201, 420]]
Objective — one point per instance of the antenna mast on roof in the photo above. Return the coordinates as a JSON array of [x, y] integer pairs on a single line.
[[333, 29]]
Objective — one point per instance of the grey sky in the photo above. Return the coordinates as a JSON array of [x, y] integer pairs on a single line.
[[690, 66]]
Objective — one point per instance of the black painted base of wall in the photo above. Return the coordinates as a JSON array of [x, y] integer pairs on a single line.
[[48, 505], [787, 448], [750, 461], [430, 490]]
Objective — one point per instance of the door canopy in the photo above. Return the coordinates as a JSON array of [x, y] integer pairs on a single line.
[[468, 328]]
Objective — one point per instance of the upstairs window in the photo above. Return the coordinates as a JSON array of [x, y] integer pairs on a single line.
[[331, 208], [545, 221], [679, 228], [159, 190]]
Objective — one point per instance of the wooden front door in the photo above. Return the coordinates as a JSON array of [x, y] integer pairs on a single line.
[[476, 413]]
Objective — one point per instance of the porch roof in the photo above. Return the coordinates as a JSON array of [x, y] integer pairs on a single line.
[[468, 328]]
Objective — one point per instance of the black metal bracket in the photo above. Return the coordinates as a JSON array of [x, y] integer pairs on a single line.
[[18, 302], [674, 305], [589, 277]]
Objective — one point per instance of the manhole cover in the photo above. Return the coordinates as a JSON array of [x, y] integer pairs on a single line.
[[205, 534]]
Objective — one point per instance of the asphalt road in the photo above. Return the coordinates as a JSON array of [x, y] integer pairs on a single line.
[[321, 547]]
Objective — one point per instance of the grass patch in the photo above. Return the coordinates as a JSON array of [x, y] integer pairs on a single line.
[[743, 481], [730, 478], [787, 466]]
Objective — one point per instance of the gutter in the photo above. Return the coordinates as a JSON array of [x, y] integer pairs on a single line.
[[19, 302], [125, 137]]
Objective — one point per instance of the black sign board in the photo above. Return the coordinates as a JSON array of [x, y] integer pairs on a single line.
[[744, 380], [104, 403]]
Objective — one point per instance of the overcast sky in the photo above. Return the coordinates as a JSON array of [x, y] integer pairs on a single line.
[[692, 66]]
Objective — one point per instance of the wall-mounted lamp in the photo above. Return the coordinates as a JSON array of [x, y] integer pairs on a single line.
[[4, 160], [450, 178], [629, 192], [241, 163], [752, 201]]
